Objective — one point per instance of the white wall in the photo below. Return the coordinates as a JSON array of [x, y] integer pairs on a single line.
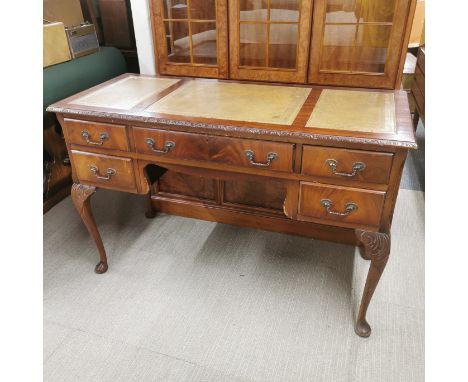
[[143, 35]]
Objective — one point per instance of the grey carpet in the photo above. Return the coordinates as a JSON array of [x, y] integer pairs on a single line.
[[188, 300]]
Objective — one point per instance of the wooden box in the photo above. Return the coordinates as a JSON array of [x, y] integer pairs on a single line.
[[67, 11], [55, 44]]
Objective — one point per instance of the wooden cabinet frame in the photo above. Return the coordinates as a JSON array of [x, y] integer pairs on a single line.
[[311, 26], [165, 67], [390, 79], [298, 75]]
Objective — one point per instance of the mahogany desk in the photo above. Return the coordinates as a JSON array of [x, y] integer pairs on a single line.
[[332, 157]]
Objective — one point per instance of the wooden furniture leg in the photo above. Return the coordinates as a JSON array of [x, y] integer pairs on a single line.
[[150, 212], [376, 248], [81, 196], [152, 173]]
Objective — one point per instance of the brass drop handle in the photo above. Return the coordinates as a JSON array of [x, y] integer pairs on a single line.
[[270, 158], [167, 146], [109, 173], [87, 137], [333, 163], [328, 204]]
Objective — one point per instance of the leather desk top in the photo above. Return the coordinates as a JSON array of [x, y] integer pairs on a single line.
[[358, 116]]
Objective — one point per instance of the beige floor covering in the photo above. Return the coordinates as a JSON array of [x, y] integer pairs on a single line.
[[188, 300]]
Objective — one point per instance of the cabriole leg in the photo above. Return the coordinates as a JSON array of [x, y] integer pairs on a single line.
[[376, 248], [81, 196]]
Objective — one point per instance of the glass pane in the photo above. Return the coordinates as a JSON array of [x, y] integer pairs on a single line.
[[371, 48], [337, 49], [253, 10], [377, 10], [175, 9], [284, 10], [203, 9], [252, 49], [204, 43], [178, 42], [342, 11], [282, 46]]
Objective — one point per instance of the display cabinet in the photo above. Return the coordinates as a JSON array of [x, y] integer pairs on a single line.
[[269, 39], [358, 42], [191, 37]]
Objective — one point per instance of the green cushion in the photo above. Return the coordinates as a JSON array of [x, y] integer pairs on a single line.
[[63, 80]]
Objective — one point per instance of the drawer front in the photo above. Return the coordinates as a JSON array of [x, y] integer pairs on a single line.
[[421, 62], [102, 135], [104, 171], [238, 152], [419, 98], [170, 144], [343, 206], [362, 166], [419, 79]]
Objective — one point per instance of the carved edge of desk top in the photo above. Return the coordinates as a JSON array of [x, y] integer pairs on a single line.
[[232, 128], [402, 138]]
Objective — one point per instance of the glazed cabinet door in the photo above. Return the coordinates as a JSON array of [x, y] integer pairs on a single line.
[[269, 39], [191, 37], [358, 42]]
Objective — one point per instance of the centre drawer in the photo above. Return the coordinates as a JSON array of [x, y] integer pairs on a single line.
[[251, 153], [104, 170], [358, 165], [343, 206]]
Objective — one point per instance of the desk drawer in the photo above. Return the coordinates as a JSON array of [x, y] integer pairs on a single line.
[[104, 171], [362, 166], [93, 134], [251, 153], [419, 79], [421, 61], [343, 206]]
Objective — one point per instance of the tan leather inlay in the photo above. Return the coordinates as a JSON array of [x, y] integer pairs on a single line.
[[372, 112], [233, 101], [126, 93]]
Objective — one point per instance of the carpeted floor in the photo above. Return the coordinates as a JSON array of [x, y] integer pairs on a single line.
[[188, 300]]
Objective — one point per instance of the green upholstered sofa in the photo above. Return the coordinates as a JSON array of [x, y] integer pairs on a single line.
[[65, 79]]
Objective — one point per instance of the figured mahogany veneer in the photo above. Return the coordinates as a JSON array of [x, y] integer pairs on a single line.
[[214, 149], [102, 135], [368, 205], [359, 165], [104, 170], [307, 178]]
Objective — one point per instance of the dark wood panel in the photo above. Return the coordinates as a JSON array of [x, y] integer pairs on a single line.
[[117, 23], [422, 59], [419, 78], [368, 212], [187, 185], [318, 161], [239, 217], [264, 194]]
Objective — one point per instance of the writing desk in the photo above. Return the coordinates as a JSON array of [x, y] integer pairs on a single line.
[[337, 154]]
